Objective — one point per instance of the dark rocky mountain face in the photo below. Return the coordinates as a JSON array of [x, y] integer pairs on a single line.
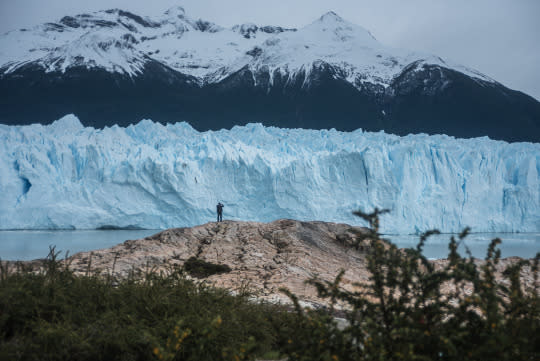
[[416, 102], [461, 106], [115, 67]]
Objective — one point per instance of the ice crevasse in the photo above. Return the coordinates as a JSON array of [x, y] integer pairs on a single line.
[[149, 175]]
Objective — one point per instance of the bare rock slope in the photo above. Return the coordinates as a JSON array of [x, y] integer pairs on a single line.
[[263, 257]]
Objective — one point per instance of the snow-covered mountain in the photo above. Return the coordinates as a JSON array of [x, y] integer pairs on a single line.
[[117, 67], [149, 175], [122, 42]]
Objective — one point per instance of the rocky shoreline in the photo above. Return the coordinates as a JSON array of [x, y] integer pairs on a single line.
[[262, 257]]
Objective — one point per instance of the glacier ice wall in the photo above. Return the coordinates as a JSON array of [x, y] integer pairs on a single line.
[[154, 176]]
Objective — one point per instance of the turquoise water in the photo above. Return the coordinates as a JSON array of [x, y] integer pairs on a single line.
[[524, 245], [28, 245]]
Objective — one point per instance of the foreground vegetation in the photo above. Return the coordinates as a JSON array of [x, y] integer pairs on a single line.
[[55, 315], [402, 313], [405, 312]]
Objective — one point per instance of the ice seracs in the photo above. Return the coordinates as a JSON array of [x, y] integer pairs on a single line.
[[68, 125], [151, 175]]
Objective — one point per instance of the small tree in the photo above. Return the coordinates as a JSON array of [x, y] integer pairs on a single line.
[[411, 309]]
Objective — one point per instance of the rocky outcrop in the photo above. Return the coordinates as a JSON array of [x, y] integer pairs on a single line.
[[263, 257]]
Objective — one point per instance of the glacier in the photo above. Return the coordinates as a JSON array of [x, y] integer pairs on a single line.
[[149, 175]]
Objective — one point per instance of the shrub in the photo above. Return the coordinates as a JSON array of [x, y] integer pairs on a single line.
[[412, 310], [201, 269], [55, 315]]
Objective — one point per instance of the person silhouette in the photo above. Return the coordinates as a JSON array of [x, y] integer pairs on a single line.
[[219, 209]]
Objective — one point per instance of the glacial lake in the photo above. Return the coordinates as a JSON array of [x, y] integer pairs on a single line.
[[28, 245]]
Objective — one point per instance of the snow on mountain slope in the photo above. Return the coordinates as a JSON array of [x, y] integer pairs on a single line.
[[123, 42], [119, 41], [345, 46], [153, 176]]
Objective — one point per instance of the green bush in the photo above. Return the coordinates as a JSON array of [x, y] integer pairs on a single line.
[[402, 313], [55, 315]]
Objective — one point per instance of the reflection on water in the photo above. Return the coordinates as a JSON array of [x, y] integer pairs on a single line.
[[27, 245]]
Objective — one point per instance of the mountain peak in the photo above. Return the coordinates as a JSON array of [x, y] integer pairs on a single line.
[[341, 30], [331, 16], [176, 11]]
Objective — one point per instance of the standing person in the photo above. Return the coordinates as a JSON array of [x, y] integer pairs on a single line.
[[219, 208]]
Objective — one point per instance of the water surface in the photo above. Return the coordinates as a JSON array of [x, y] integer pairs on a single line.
[[28, 245], [524, 245]]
